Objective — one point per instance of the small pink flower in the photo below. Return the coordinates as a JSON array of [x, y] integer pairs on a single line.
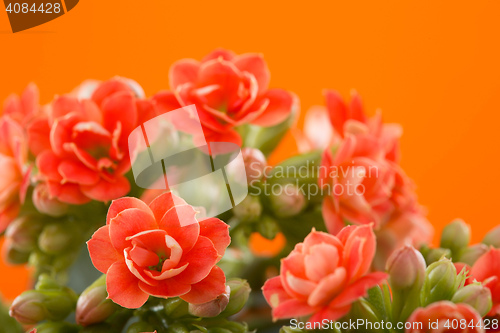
[[159, 250], [436, 316], [487, 270], [324, 275], [228, 90]]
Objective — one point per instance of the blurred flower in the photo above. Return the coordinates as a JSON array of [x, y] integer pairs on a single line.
[[255, 164], [476, 295], [324, 275], [238, 297], [23, 232], [87, 155], [318, 132], [433, 318], [264, 247], [455, 236], [228, 90], [23, 109], [46, 204], [406, 268], [211, 308], [93, 306], [159, 250], [470, 254], [487, 270]]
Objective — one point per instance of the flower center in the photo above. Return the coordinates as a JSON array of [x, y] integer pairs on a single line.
[[158, 267]]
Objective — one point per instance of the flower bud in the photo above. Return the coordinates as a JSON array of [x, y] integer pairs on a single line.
[[48, 302], [433, 255], [177, 328], [255, 164], [13, 255], [175, 307], [56, 238], [23, 232], [470, 254], [406, 268], [289, 202], [440, 283], [93, 306], [238, 297], [249, 209], [477, 296], [268, 227], [455, 236], [46, 204], [212, 308], [492, 238]]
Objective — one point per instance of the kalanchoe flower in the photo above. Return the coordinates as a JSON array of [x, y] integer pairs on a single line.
[[432, 318], [470, 254], [87, 154], [159, 250], [23, 232], [487, 270], [476, 295], [93, 306], [229, 91], [324, 275], [455, 236], [493, 237], [211, 308]]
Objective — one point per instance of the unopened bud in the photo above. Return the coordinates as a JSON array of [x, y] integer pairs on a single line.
[[93, 306], [492, 238], [46, 204], [406, 268], [268, 227], [12, 255], [440, 283], [48, 302], [238, 297], [249, 209], [477, 296], [175, 307], [455, 236], [176, 328], [470, 254], [23, 232], [255, 164], [289, 202], [212, 308], [433, 255], [56, 238]]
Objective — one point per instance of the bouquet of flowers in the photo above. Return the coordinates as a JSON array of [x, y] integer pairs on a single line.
[[162, 214]]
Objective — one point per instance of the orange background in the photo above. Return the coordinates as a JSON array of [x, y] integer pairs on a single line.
[[433, 67]]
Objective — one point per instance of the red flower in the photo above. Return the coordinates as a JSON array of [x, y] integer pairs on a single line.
[[17, 112], [324, 275], [487, 270], [434, 317], [159, 250], [228, 90], [82, 146]]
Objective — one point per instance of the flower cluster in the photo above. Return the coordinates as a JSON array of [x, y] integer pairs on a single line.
[[356, 248]]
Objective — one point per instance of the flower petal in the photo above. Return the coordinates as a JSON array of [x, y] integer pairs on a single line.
[[207, 289], [217, 231], [104, 190], [68, 193], [183, 71], [127, 223], [167, 288], [163, 203], [102, 253], [281, 104], [119, 205], [120, 107], [76, 172], [180, 223], [122, 287], [202, 257]]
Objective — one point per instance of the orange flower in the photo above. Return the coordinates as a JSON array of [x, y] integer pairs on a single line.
[[324, 275], [487, 270], [228, 90], [434, 317], [159, 250]]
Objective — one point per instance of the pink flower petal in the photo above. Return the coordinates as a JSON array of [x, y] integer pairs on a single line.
[[180, 223], [104, 190], [202, 257], [256, 65], [120, 108], [119, 205], [281, 104], [102, 253], [217, 231], [207, 289], [172, 287], [183, 71], [122, 287], [163, 203], [127, 223], [76, 172]]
